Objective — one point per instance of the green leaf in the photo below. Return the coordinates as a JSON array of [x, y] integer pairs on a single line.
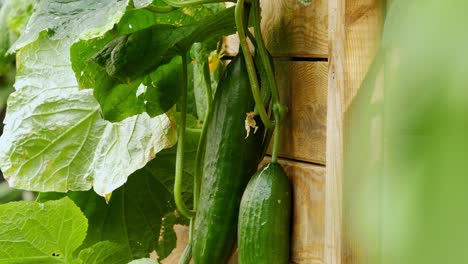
[[71, 19], [55, 138], [120, 100], [125, 63], [104, 252], [125, 57], [142, 210], [40, 232], [163, 87], [14, 14]]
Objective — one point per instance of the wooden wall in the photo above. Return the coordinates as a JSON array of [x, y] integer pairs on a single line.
[[322, 51]]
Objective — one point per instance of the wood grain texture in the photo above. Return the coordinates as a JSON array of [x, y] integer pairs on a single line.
[[354, 29], [303, 88], [307, 238], [291, 29], [363, 28], [334, 156], [363, 25]]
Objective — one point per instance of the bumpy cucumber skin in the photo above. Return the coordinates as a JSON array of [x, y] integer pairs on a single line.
[[264, 218], [230, 160]]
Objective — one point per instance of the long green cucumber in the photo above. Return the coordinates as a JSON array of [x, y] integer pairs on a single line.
[[264, 218], [230, 160]]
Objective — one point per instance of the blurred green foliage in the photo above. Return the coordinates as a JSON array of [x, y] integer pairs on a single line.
[[405, 191], [14, 15]]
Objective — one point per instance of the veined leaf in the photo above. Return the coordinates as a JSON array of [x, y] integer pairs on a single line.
[[103, 252], [125, 58], [54, 137], [121, 99], [163, 87], [124, 61], [40, 232], [142, 210], [71, 19]]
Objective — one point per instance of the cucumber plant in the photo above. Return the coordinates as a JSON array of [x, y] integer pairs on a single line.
[[105, 124]]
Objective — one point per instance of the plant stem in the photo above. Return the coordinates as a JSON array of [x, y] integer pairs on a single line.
[[279, 110], [207, 78], [276, 139], [186, 255], [186, 3], [201, 144], [239, 16], [160, 9], [263, 52], [181, 206]]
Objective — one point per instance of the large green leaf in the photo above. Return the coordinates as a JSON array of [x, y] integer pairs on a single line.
[[119, 99], [33, 232], [71, 19], [125, 58], [55, 138], [163, 87], [104, 252], [142, 210]]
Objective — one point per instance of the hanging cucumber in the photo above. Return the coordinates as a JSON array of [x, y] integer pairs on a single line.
[[264, 217], [265, 210], [230, 160]]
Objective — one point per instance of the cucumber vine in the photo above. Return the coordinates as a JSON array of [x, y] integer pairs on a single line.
[[180, 145]]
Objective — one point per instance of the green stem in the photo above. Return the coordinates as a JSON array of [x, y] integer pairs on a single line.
[[181, 206], [239, 16], [276, 139], [279, 110], [201, 144], [263, 52], [208, 90], [193, 130], [192, 2], [160, 9], [186, 255]]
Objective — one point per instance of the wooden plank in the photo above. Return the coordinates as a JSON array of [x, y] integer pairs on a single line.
[[334, 156], [363, 24], [363, 27], [354, 28], [303, 88], [292, 29]]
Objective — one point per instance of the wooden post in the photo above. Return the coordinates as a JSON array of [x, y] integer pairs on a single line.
[[354, 32], [335, 111]]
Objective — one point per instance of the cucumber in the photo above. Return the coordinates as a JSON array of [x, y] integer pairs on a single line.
[[264, 218], [230, 160]]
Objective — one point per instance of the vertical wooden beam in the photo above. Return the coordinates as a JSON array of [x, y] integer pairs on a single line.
[[334, 155], [354, 32]]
